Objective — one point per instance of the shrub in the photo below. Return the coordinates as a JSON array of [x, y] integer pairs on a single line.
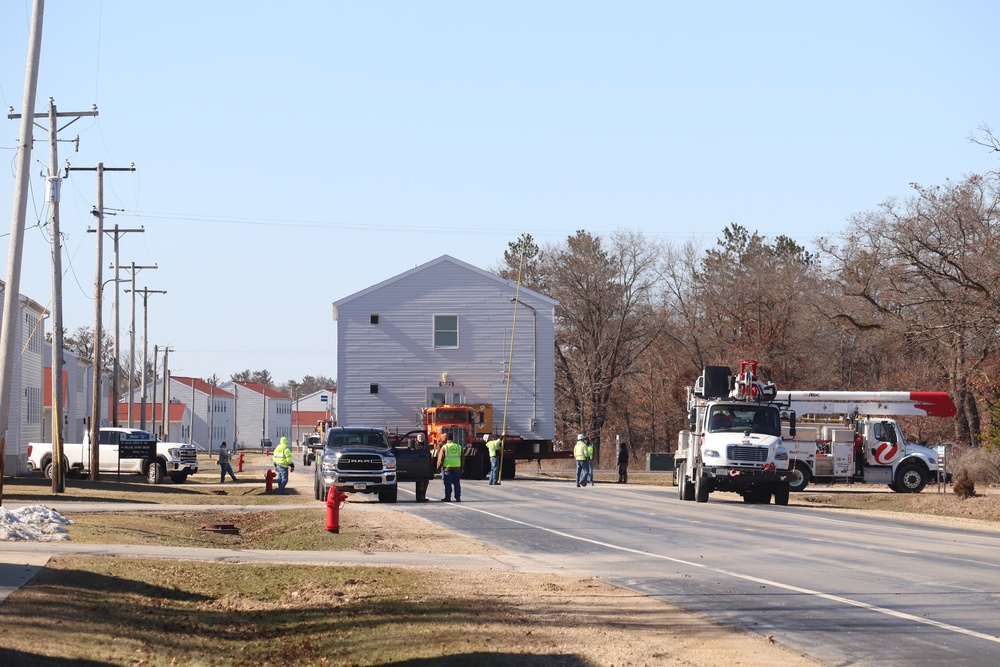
[[964, 486]]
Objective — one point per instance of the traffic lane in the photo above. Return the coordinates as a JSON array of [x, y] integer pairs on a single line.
[[728, 560]]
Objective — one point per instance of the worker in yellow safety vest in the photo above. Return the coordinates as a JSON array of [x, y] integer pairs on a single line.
[[451, 458], [494, 445], [580, 453], [283, 463]]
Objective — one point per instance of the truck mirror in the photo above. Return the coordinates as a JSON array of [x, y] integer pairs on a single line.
[[693, 419], [791, 424]]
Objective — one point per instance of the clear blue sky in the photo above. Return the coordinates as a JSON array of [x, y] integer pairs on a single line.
[[290, 154]]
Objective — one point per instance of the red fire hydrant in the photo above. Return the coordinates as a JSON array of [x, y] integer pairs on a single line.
[[335, 499], [268, 479], [239, 463]]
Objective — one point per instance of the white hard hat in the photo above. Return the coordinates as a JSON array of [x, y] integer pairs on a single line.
[[581, 437]]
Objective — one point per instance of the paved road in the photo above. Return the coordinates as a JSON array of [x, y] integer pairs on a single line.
[[843, 588]]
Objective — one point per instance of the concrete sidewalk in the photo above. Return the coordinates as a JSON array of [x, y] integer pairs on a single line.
[[17, 569]]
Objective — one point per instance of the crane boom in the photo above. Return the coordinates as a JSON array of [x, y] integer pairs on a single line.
[[899, 403]]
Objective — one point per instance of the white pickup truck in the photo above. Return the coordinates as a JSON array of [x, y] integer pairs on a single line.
[[172, 459]]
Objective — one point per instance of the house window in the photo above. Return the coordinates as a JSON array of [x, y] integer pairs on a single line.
[[373, 318], [373, 388], [445, 331]]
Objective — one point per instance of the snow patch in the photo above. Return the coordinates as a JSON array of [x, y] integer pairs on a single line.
[[34, 522]]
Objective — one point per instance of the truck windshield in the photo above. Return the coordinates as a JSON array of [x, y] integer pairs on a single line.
[[738, 419], [452, 416]]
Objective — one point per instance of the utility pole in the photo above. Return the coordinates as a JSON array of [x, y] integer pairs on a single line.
[[117, 233], [156, 358], [131, 350], [95, 414], [12, 288], [164, 414], [54, 182], [145, 292]]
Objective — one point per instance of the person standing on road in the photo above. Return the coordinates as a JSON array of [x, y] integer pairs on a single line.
[[580, 454], [224, 464], [494, 446], [623, 464], [451, 458], [283, 463], [422, 484], [590, 462]]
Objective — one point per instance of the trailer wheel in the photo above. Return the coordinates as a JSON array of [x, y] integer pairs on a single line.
[[388, 496], [702, 487], [509, 468], [781, 494], [684, 489], [800, 477], [910, 478]]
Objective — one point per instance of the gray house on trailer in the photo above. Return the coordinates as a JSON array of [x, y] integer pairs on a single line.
[[441, 333]]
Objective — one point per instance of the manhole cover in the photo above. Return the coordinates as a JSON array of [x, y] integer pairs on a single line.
[[227, 528]]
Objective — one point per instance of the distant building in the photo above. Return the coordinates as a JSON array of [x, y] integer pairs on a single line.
[[211, 411], [78, 384], [175, 429], [262, 413], [441, 333], [311, 409], [26, 392]]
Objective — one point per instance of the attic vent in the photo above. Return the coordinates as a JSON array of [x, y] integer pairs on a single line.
[[373, 318], [373, 388]]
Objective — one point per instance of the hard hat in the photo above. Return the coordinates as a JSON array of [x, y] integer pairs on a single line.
[[581, 437], [284, 440]]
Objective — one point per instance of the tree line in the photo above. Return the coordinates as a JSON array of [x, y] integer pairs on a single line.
[[907, 297]]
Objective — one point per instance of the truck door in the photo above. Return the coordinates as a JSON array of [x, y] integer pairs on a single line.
[[108, 451], [885, 448], [413, 457]]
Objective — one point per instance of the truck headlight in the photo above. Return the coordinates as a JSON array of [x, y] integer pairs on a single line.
[[781, 455], [174, 452], [711, 454], [389, 462]]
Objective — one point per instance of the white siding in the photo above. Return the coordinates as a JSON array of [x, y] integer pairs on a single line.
[[251, 425], [398, 354]]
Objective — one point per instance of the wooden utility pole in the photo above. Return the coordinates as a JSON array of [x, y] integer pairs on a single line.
[[12, 288], [164, 414], [95, 413], [145, 292], [131, 332], [117, 233]]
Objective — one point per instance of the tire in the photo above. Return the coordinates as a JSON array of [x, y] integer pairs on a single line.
[[702, 487], [49, 470], [781, 494], [154, 473], [509, 468], [317, 493], [800, 477], [388, 496], [178, 477], [761, 496], [685, 489], [910, 478]]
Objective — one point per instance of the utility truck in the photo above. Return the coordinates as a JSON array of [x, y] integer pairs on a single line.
[[734, 439], [852, 437]]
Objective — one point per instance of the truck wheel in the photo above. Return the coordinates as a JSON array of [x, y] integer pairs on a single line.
[[509, 468], [910, 478], [781, 494], [800, 477], [51, 469], [388, 496], [701, 487], [178, 477], [685, 490], [154, 473]]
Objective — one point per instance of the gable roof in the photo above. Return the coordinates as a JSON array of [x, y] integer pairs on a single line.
[[434, 262], [258, 388], [202, 386]]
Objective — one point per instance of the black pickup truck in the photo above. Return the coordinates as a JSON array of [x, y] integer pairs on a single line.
[[363, 460]]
